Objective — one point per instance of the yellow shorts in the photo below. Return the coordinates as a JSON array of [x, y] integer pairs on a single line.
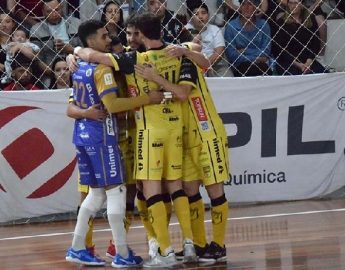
[[158, 154], [127, 149], [82, 188], [207, 161]]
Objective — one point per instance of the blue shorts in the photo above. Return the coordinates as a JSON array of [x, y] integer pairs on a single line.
[[100, 165]]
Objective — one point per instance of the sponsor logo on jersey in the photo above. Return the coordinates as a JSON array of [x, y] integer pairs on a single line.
[[176, 167], [157, 144], [204, 126], [173, 118], [140, 144], [140, 166], [112, 161], [110, 125], [167, 110], [199, 109], [108, 79], [217, 150], [132, 91], [88, 72]]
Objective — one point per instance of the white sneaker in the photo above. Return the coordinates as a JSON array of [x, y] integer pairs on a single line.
[[189, 254], [162, 261], [153, 247]]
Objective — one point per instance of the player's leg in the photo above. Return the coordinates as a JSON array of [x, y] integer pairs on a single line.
[[110, 168], [172, 170], [92, 203], [216, 152]]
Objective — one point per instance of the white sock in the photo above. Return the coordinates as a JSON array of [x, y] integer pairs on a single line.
[[88, 209], [116, 209]]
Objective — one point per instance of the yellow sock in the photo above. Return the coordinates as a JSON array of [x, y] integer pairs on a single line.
[[157, 217], [219, 212], [143, 213], [129, 215], [197, 217], [168, 206], [88, 239], [181, 207]]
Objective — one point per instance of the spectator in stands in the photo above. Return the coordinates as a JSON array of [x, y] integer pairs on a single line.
[[21, 74], [90, 9], [173, 29], [28, 12], [7, 25], [112, 16], [248, 42], [19, 43], [61, 74], [211, 38], [297, 41], [55, 35], [232, 7]]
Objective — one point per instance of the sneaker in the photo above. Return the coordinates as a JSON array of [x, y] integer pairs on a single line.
[[83, 257], [153, 247], [111, 251], [162, 261], [189, 254], [91, 250], [131, 261], [214, 253], [200, 251]]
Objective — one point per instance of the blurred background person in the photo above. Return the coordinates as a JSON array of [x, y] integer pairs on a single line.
[[112, 16], [61, 78], [248, 42], [297, 42]]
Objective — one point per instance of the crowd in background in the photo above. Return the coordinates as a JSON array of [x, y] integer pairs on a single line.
[[239, 38]]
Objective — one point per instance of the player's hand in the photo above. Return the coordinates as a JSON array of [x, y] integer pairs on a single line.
[[156, 97], [175, 50], [146, 71], [72, 62], [95, 113], [84, 53]]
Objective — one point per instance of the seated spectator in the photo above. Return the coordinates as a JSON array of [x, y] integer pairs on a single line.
[[27, 12], [21, 74], [7, 25], [297, 41], [210, 37], [232, 7], [173, 30], [55, 35], [112, 16], [248, 42], [19, 43], [61, 75]]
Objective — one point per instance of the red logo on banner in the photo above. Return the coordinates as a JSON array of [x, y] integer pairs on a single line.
[[199, 108], [31, 150]]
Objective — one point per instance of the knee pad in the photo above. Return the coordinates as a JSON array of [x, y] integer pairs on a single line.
[[94, 200], [116, 200]]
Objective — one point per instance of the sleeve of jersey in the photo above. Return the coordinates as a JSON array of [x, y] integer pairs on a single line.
[[123, 62], [188, 73], [108, 92], [71, 97]]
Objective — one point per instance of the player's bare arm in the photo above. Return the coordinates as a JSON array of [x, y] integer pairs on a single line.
[[93, 112], [93, 56]]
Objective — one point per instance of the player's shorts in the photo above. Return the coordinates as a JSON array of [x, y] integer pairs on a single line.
[[82, 188], [158, 154], [207, 161], [127, 148], [100, 165]]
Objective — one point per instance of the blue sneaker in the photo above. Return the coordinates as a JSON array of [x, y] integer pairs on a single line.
[[83, 257], [131, 261]]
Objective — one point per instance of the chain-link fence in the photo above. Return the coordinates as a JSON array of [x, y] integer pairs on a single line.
[[240, 38]]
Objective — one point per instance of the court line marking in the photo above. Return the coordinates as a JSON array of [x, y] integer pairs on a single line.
[[176, 223]]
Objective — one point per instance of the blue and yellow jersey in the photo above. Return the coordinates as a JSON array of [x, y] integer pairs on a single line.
[[199, 112], [167, 115], [93, 83]]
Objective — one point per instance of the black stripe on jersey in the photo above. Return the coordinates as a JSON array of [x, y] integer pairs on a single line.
[[224, 155], [214, 171], [139, 91]]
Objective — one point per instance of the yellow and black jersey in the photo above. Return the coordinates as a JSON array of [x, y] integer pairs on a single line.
[[162, 115], [200, 114]]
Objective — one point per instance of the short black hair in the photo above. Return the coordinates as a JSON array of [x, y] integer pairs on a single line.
[[88, 28], [150, 25], [131, 20], [192, 5]]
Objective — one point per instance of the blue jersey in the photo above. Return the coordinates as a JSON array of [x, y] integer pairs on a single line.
[[92, 83]]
